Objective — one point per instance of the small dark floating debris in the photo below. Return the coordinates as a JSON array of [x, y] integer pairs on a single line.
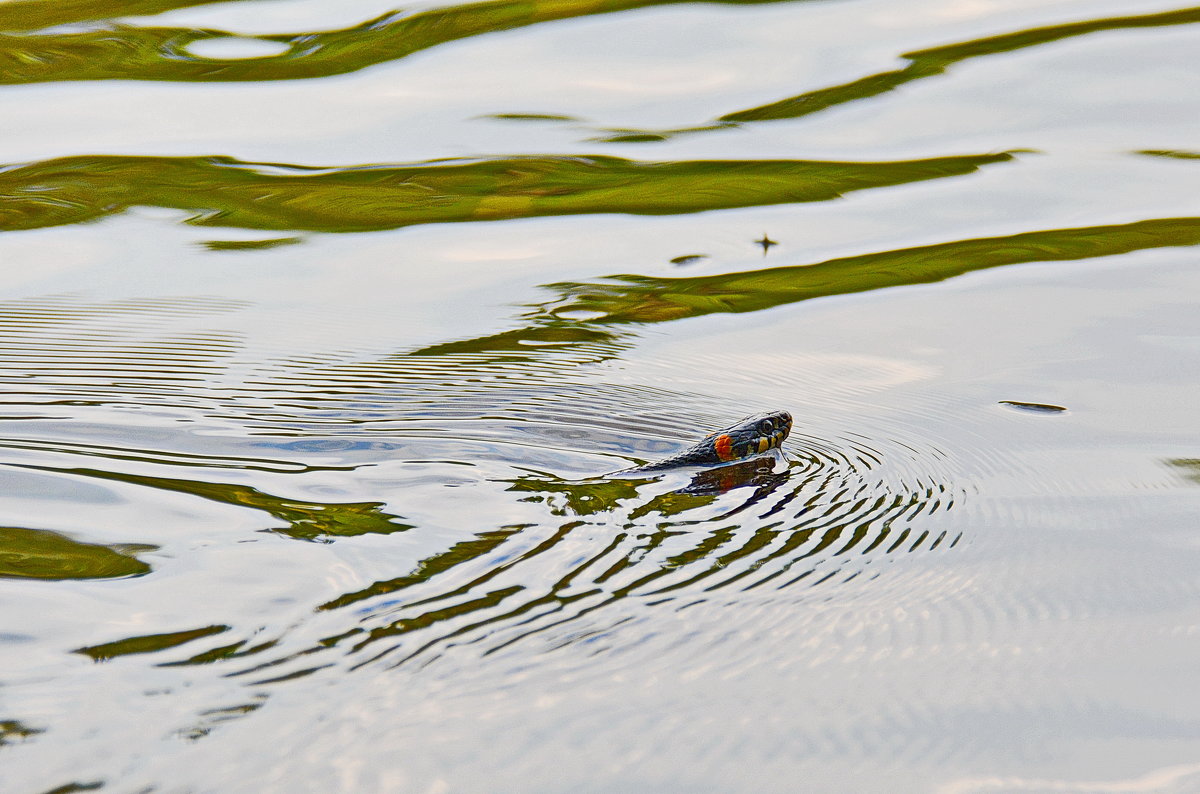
[[766, 243], [249, 245], [1172, 153], [633, 137], [1041, 408], [529, 117], [688, 259]]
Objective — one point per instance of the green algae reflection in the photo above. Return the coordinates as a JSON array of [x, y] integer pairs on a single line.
[[643, 299], [15, 731], [922, 64], [148, 643], [303, 520], [221, 191], [128, 52], [23, 15], [42, 554], [637, 300]]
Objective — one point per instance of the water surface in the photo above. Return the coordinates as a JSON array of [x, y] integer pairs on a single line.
[[321, 325]]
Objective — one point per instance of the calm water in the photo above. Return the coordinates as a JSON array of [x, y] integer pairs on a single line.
[[319, 323]]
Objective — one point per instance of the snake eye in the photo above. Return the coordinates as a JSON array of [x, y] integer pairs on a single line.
[[765, 427]]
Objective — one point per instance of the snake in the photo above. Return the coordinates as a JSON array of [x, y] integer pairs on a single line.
[[747, 438]]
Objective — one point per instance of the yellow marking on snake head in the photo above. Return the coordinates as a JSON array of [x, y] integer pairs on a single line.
[[764, 444]]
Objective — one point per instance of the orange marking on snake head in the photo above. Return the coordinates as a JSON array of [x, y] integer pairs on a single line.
[[724, 446]]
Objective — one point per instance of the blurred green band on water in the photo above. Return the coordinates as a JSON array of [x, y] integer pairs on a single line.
[[933, 61], [303, 520], [128, 52], [148, 643], [42, 554], [646, 299], [18, 15], [222, 191], [922, 63], [634, 299], [160, 53]]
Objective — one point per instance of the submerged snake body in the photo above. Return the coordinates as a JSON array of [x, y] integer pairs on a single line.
[[753, 436]]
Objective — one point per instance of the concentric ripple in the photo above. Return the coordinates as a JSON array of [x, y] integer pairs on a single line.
[[539, 553], [602, 553]]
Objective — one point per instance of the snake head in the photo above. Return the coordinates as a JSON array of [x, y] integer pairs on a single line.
[[746, 439], [752, 436]]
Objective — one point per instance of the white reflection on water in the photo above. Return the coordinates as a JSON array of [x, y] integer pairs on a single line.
[[234, 47], [1180, 777]]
